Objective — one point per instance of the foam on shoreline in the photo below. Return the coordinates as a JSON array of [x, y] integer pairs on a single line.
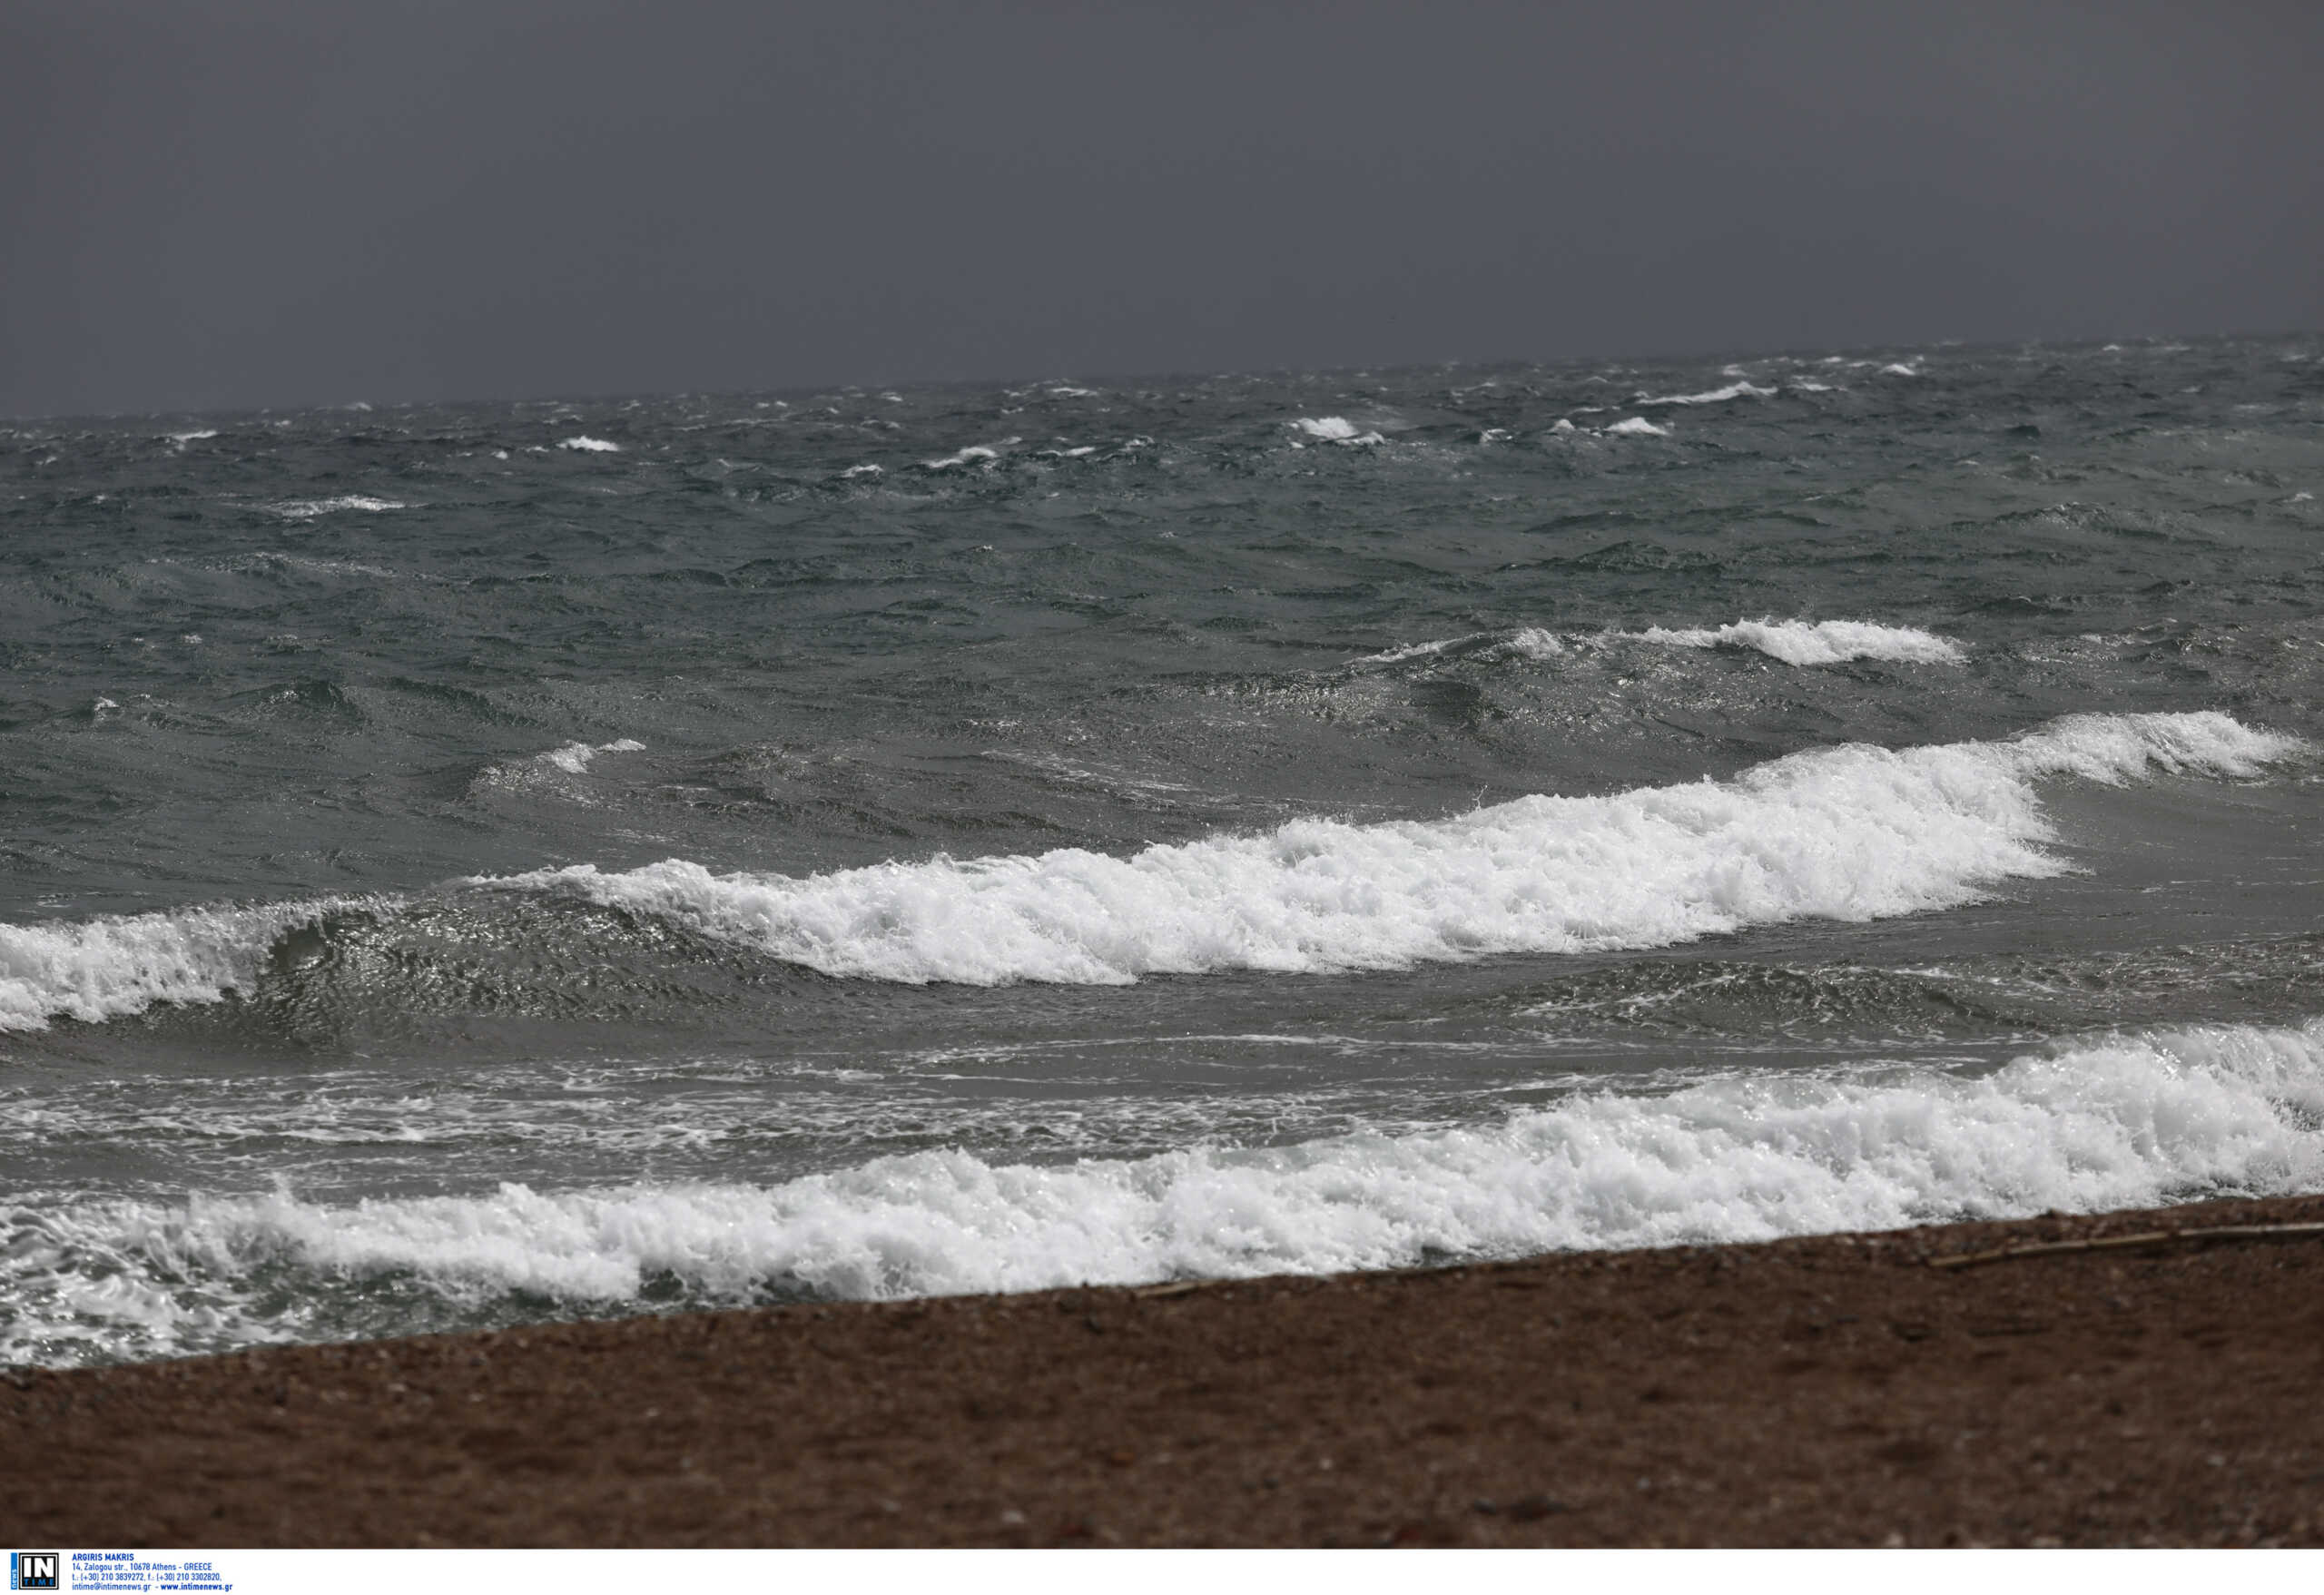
[[2105, 1122]]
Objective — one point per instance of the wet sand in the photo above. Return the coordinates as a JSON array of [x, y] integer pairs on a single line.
[[1833, 1391]]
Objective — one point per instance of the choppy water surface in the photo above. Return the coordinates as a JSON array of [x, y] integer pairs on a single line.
[[501, 861]]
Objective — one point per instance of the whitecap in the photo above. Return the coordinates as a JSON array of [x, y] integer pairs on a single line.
[[575, 757], [972, 454], [1852, 833], [1335, 429], [1716, 396], [572, 759], [1820, 641], [1527, 643], [104, 968], [585, 444], [308, 508], [1418, 650]]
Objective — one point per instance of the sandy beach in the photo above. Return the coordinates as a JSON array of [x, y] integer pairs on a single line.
[[1832, 1390]]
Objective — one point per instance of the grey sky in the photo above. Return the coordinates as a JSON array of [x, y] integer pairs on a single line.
[[247, 204]]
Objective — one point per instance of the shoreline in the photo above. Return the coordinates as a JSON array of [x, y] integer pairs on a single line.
[[1828, 1389]]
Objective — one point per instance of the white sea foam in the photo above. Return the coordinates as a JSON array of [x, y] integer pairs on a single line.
[[1733, 391], [1335, 429], [182, 439], [575, 757], [270, 560], [969, 456], [1637, 426], [540, 769], [863, 470], [1527, 643], [308, 508], [1420, 650], [1851, 833], [584, 445], [1820, 641], [1898, 369], [2101, 1123], [100, 969]]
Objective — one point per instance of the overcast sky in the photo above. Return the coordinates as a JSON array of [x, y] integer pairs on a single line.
[[243, 204]]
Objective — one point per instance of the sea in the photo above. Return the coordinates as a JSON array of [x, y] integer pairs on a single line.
[[478, 864]]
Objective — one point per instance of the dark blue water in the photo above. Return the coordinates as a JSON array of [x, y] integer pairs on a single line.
[[482, 862]]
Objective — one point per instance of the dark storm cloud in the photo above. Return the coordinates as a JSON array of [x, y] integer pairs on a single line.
[[247, 203]]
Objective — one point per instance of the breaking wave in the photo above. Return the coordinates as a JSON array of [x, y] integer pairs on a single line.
[[309, 508], [2108, 1122], [1853, 833], [1733, 391], [1818, 641], [104, 968]]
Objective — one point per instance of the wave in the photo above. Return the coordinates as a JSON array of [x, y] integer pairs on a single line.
[[1853, 833], [1805, 643], [1530, 642], [1637, 426], [2109, 1122], [102, 969], [1716, 396], [973, 454], [308, 508], [1818, 641], [576, 757], [1335, 429], [544, 771], [275, 564], [587, 445]]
